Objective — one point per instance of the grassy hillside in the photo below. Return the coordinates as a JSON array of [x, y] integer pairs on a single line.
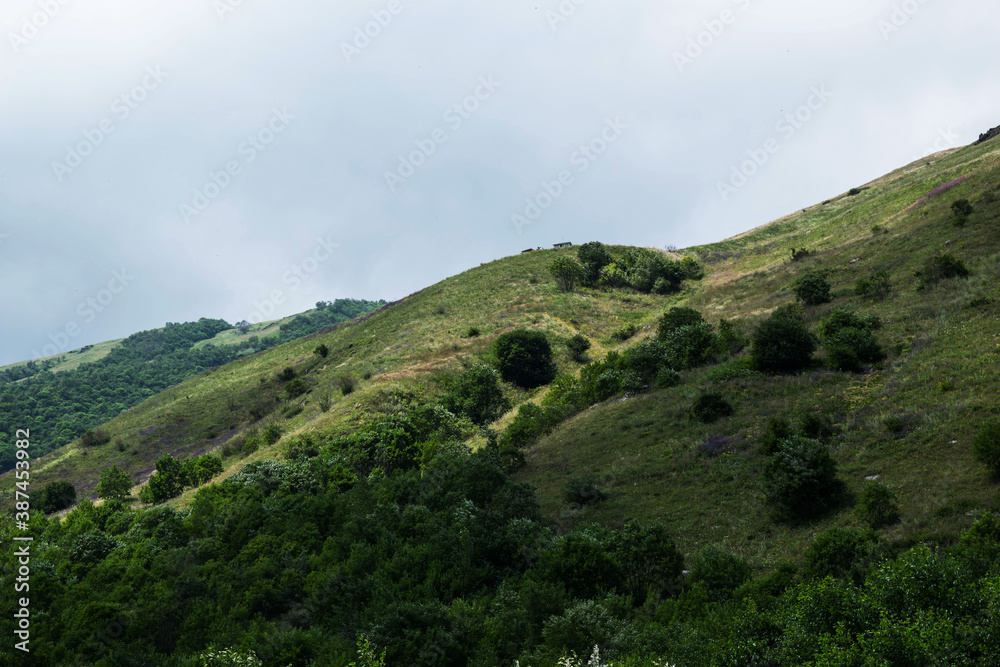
[[939, 380], [394, 354], [645, 449], [304, 551]]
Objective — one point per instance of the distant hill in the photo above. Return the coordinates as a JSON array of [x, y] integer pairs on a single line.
[[61, 397]]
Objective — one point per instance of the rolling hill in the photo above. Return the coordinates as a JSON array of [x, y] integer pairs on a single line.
[[448, 560]]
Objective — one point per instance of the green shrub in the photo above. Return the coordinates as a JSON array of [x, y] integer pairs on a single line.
[[676, 318], [690, 346], [594, 256], [799, 254], [322, 350], [879, 505], [56, 496], [843, 318], [812, 289], [893, 424], [849, 348], [842, 553], [777, 429], [295, 387], [524, 358], [800, 479], [782, 343], [528, 424], [272, 433], [115, 484], [582, 490], [325, 402], [875, 286], [567, 273], [961, 209], [692, 269], [815, 426], [166, 483], [477, 394], [710, 407], [303, 446], [649, 559], [938, 268], [286, 374], [95, 437], [347, 383], [472, 332], [624, 332], [578, 346], [986, 446], [719, 571], [667, 377], [730, 340]]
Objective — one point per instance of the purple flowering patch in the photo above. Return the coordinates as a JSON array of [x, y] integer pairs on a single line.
[[938, 190]]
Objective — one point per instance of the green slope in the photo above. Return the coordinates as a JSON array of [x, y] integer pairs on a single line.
[[646, 450]]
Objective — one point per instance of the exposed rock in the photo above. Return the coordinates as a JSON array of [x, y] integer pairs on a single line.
[[989, 135]]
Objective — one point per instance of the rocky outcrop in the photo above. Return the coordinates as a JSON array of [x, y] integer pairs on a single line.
[[989, 135]]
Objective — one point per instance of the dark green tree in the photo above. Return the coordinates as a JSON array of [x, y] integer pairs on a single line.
[[567, 272], [477, 394], [782, 343], [115, 484], [594, 256], [524, 358]]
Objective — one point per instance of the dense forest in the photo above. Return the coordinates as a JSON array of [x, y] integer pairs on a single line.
[[298, 562], [59, 407]]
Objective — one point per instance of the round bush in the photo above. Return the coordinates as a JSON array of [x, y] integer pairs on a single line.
[[676, 318], [800, 479], [477, 394], [578, 346], [878, 506], [719, 571], [986, 446], [56, 496], [812, 289], [782, 343], [524, 358], [841, 553], [691, 345], [710, 407], [848, 348]]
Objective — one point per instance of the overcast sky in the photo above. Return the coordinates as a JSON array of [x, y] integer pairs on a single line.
[[165, 161]]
